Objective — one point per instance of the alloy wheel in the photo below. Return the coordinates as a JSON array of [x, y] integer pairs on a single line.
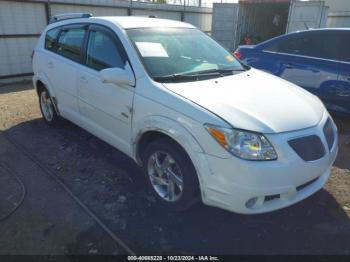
[[165, 176], [46, 106]]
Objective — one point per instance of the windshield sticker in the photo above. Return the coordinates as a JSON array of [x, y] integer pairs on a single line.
[[229, 58], [150, 49]]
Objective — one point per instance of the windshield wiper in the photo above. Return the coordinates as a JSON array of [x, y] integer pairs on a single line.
[[195, 76], [220, 71], [175, 77]]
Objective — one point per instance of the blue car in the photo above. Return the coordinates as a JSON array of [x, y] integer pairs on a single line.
[[317, 60]]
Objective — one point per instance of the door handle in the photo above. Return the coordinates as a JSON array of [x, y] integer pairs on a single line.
[[50, 64], [83, 80], [288, 65]]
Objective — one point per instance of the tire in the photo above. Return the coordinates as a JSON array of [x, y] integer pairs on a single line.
[[164, 163], [47, 109]]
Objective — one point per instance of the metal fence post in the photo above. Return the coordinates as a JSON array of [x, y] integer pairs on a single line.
[[183, 11], [48, 11], [130, 9]]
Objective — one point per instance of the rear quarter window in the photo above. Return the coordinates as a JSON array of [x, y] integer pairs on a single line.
[[50, 39]]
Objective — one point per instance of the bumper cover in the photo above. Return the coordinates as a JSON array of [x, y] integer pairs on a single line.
[[230, 183]]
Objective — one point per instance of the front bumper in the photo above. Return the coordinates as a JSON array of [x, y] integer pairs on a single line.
[[230, 183]]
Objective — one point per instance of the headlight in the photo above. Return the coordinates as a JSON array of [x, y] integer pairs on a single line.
[[243, 144]]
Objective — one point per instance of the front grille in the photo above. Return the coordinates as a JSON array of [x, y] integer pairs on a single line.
[[309, 148], [329, 133]]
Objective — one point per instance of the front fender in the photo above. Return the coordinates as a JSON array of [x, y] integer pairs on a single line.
[[169, 127], [181, 135]]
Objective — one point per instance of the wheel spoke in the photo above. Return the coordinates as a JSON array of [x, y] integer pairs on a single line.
[[158, 181], [175, 178], [49, 109], [157, 165], [167, 162], [171, 190]]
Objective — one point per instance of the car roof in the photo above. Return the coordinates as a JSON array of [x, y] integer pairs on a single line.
[[325, 29], [127, 22], [284, 36]]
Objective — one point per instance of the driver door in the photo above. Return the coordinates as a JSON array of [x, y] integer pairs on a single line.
[[106, 109]]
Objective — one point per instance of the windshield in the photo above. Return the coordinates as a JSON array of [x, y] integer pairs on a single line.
[[168, 53]]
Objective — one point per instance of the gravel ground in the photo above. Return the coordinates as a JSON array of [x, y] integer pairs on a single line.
[[48, 221], [110, 184]]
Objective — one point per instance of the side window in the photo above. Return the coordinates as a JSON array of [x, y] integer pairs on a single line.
[[313, 44], [102, 52], [318, 44], [273, 47], [343, 46], [288, 45], [50, 39], [70, 43], [294, 44]]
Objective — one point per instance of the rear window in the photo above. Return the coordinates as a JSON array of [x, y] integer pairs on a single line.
[[50, 39], [314, 44], [70, 43]]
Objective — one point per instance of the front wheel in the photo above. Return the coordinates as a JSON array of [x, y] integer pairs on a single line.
[[171, 174]]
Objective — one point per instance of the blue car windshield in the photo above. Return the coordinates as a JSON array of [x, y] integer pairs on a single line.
[[181, 51]]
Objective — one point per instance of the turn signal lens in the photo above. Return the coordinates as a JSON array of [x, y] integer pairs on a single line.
[[218, 135]]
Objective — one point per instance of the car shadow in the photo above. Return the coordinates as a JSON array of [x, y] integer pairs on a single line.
[[343, 124], [112, 185]]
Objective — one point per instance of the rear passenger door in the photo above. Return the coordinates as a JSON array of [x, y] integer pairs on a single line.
[[308, 59], [62, 69], [106, 109]]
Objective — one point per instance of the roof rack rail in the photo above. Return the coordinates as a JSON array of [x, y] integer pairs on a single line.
[[66, 16]]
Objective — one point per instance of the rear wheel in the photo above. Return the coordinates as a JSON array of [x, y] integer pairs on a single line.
[[171, 174], [47, 108]]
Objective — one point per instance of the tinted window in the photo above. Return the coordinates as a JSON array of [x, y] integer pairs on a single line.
[[272, 47], [70, 42], [102, 52], [50, 40], [313, 44], [344, 46]]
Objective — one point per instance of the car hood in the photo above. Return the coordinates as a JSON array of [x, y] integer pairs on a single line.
[[254, 100]]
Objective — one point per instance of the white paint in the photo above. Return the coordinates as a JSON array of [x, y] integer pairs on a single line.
[[251, 100], [256, 101], [128, 22]]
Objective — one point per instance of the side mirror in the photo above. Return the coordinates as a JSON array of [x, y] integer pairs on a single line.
[[117, 76]]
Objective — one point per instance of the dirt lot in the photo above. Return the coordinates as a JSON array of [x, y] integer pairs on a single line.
[[110, 184]]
